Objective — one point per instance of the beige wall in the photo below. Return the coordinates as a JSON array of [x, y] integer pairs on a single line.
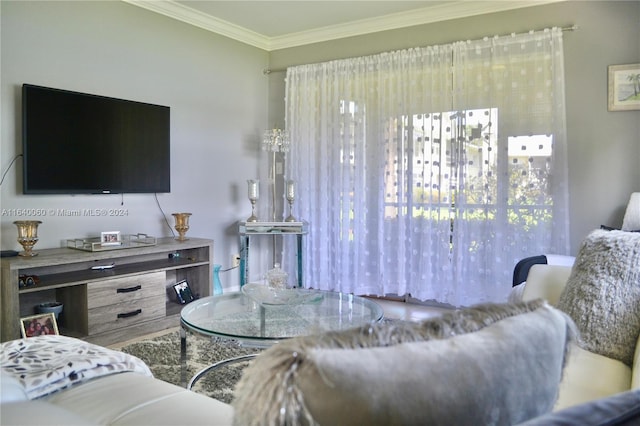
[[604, 147], [214, 86]]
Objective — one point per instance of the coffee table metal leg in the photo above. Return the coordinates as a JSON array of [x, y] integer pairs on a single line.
[[217, 365], [183, 357]]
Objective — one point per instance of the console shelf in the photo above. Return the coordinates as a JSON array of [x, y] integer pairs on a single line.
[[95, 299]]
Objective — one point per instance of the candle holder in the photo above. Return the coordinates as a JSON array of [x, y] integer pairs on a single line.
[[290, 193], [27, 236], [182, 224], [253, 193]]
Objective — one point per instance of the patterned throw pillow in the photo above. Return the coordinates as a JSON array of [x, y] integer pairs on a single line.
[[602, 295], [50, 363], [497, 364]]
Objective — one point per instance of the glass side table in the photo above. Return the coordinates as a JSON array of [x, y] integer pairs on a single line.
[[246, 230]]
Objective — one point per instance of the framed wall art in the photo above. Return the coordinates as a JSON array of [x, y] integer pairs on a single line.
[[624, 87], [38, 325]]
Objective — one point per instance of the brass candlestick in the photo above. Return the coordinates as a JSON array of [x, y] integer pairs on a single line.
[[27, 236], [182, 224]]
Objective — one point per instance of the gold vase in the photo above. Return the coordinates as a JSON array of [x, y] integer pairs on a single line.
[[182, 224], [27, 236]]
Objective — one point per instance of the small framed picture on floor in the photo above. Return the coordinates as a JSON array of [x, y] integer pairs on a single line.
[[38, 325]]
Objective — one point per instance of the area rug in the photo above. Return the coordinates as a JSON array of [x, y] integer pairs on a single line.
[[162, 355]]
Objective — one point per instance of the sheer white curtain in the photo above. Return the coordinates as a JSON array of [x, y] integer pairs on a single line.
[[430, 171]]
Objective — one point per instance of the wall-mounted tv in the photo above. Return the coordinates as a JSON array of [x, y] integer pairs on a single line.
[[78, 143]]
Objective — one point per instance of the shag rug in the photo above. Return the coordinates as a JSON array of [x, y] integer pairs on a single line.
[[162, 355]]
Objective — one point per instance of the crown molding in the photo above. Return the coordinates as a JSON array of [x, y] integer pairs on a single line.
[[202, 20], [426, 15]]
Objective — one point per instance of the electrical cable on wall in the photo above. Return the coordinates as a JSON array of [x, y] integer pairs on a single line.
[[163, 214], [174, 234], [9, 167]]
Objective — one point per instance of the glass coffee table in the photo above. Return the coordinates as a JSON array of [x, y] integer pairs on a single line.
[[253, 324]]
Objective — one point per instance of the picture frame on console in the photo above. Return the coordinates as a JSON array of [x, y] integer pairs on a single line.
[[183, 291], [111, 238], [39, 325], [624, 87]]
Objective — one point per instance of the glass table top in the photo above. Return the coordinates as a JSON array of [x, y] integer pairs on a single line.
[[237, 316]]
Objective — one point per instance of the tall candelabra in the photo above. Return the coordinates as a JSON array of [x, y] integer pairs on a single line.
[[274, 141]]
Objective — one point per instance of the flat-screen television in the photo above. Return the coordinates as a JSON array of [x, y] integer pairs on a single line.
[[78, 143]]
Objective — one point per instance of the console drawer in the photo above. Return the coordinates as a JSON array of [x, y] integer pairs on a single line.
[[111, 317], [119, 290]]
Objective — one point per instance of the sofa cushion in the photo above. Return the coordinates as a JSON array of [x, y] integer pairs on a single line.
[[622, 409], [134, 399], [39, 413], [580, 382], [546, 282], [635, 375], [11, 390], [456, 369], [602, 294]]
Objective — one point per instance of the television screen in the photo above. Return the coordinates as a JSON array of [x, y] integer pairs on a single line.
[[77, 143]]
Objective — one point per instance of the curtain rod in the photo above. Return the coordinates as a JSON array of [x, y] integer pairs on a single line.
[[267, 71]]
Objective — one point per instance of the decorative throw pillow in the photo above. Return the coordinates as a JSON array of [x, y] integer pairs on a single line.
[[602, 294], [493, 364], [67, 361]]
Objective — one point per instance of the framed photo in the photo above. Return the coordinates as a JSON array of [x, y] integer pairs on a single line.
[[111, 238], [183, 292], [624, 87], [38, 325]]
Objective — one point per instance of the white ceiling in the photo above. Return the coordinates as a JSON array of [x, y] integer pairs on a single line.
[[272, 25]]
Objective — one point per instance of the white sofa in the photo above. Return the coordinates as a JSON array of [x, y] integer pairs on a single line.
[[119, 399], [587, 376], [59, 380]]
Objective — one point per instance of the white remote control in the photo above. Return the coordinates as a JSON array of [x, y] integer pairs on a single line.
[[103, 267]]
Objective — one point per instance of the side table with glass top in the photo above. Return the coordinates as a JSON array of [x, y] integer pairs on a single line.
[[246, 230], [238, 316]]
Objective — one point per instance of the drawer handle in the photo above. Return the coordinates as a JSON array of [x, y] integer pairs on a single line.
[[128, 290], [130, 314]]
